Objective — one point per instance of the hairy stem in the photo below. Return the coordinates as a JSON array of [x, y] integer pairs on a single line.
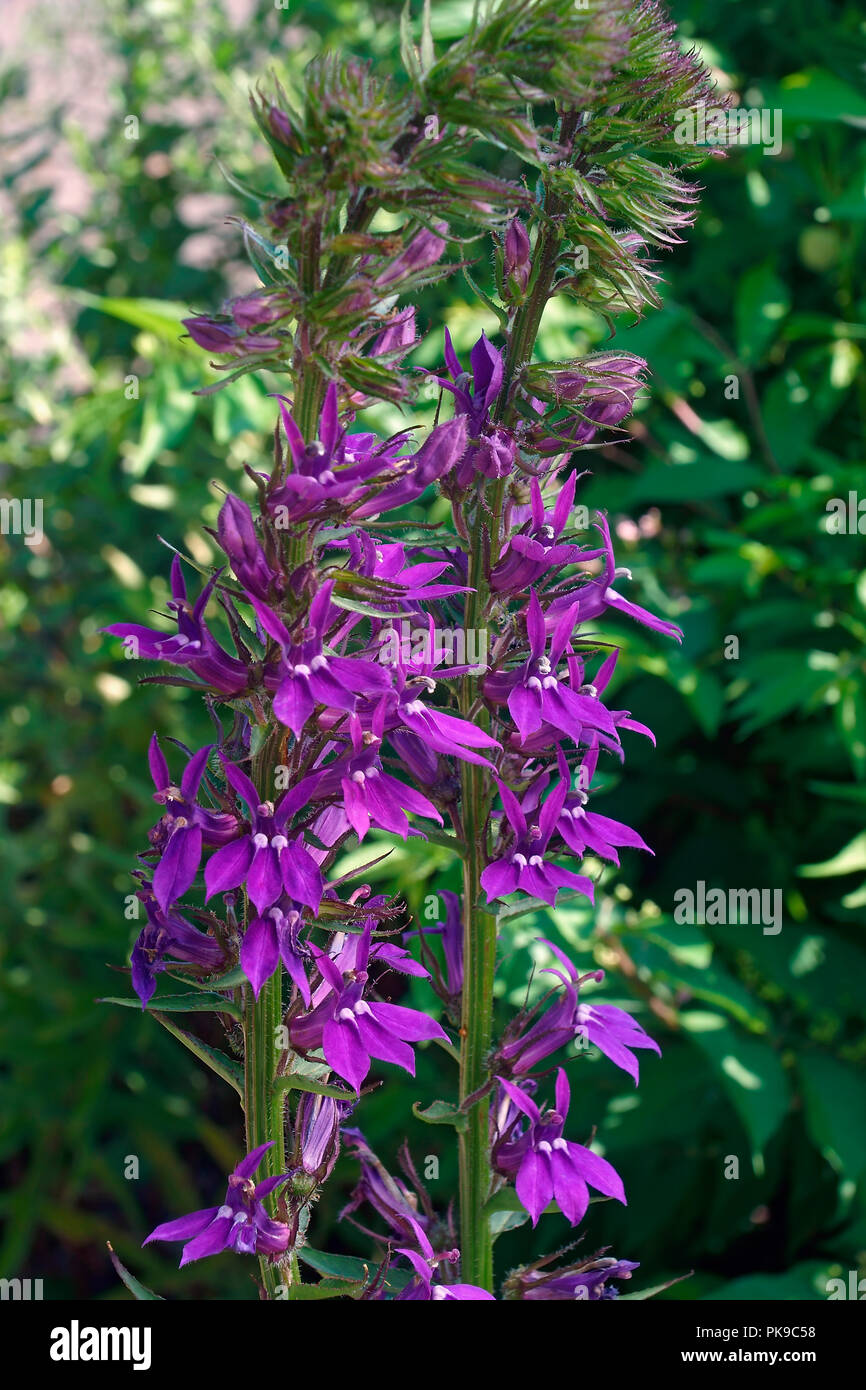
[[479, 956]]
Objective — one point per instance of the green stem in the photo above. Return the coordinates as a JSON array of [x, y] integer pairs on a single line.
[[263, 1119], [479, 957], [479, 924]]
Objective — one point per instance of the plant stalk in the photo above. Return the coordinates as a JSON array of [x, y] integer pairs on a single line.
[[479, 963]]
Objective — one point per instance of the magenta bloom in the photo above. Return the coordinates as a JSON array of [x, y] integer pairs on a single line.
[[269, 939], [422, 1288], [184, 827], [193, 645], [334, 471], [166, 933], [524, 867], [307, 677], [534, 551], [536, 695], [370, 796], [597, 594], [265, 859], [351, 1031], [614, 1032], [237, 535], [240, 1224], [548, 1167]]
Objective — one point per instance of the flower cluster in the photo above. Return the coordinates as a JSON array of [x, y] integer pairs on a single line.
[[331, 728]]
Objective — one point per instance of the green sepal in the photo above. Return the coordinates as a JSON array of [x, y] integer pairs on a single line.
[[136, 1288], [442, 1112]]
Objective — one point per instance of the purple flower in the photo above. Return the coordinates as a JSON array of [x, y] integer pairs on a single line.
[[221, 336], [526, 1042], [264, 858], [533, 551], [307, 677], [268, 940], [240, 1224], [582, 829], [212, 334], [184, 827], [422, 1288], [166, 933], [422, 252], [236, 532], [517, 254], [536, 695], [584, 1280], [545, 1165], [601, 390], [435, 727], [192, 645], [597, 594], [351, 1030], [440, 452], [317, 1134], [523, 867], [493, 449], [614, 1032], [333, 472], [451, 932], [370, 796], [387, 1195]]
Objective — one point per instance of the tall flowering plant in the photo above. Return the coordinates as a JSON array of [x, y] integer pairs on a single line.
[[329, 722]]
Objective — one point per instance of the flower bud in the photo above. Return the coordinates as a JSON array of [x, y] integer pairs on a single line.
[[516, 264]]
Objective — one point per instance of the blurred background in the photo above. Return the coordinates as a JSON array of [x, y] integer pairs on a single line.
[[115, 210]]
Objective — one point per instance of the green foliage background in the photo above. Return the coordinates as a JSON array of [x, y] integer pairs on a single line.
[[759, 779]]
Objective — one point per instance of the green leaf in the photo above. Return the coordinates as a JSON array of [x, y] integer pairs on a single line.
[[835, 1114], [183, 1003], [335, 1266], [296, 1082], [341, 1288], [354, 605], [749, 1071], [442, 1112], [156, 316], [229, 1070], [762, 305], [817, 95], [849, 860], [137, 1289], [651, 1292], [502, 1221]]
